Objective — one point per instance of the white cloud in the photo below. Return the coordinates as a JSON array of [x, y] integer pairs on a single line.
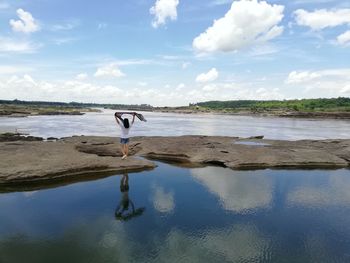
[[344, 39], [322, 18], [110, 70], [162, 10], [65, 40], [180, 87], [209, 87], [26, 24], [29, 88], [211, 75], [245, 24], [142, 83], [324, 83], [307, 76], [64, 27], [302, 76], [81, 76], [5, 70], [17, 46], [220, 2], [185, 65]]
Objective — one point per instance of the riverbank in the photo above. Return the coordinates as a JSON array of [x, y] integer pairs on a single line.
[[267, 113], [32, 161], [32, 110]]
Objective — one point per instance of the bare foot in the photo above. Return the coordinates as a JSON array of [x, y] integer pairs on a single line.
[[124, 157]]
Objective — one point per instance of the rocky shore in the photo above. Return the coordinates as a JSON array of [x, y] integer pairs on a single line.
[[25, 111], [32, 160], [283, 114]]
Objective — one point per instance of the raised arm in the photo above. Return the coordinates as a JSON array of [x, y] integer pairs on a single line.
[[116, 116]]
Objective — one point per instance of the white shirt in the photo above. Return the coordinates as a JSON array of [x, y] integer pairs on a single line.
[[125, 132]]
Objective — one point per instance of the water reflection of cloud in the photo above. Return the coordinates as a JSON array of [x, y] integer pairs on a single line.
[[105, 240], [163, 201], [239, 243], [334, 192], [237, 191], [29, 194]]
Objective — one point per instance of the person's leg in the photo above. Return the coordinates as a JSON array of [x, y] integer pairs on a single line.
[[122, 149], [127, 149]]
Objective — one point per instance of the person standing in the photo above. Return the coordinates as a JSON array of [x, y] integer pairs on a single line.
[[125, 126]]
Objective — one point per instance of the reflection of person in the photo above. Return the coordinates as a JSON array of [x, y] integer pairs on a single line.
[[122, 211], [125, 129]]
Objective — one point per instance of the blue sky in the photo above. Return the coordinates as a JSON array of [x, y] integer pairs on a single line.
[[173, 52]]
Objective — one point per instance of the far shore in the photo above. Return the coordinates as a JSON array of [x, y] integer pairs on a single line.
[[32, 110], [282, 114]]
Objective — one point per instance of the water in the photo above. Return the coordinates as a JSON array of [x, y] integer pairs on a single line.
[[171, 124], [209, 214]]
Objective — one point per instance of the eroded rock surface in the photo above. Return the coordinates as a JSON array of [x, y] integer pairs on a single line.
[[23, 161]]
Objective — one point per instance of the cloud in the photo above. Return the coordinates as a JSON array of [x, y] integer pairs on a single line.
[[327, 83], [307, 76], [81, 76], [142, 83], [162, 10], [110, 70], [64, 27], [64, 40], [5, 70], [322, 18], [245, 24], [28, 88], [185, 65], [344, 39], [220, 2], [26, 23], [302, 76], [180, 87], [17, 46], [211, 75]]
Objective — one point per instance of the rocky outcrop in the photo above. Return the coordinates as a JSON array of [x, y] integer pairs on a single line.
[[6, 137], [23, 161]]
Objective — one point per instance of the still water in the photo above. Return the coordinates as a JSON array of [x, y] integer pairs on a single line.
[[174, 214], [171, 124]]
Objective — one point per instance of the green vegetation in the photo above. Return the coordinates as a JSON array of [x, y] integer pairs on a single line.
[[26, 108], [75, 105], [256, 106]]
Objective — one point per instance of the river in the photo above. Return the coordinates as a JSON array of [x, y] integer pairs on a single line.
[[173, 124]]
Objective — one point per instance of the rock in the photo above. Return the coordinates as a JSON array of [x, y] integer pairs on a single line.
[[256, 137], [31, 161], [37, 161], [7, 137]]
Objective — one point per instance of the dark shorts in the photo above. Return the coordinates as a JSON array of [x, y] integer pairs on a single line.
[[124, 140]]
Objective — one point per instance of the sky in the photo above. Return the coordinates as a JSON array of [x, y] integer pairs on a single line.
[[173, 52]]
